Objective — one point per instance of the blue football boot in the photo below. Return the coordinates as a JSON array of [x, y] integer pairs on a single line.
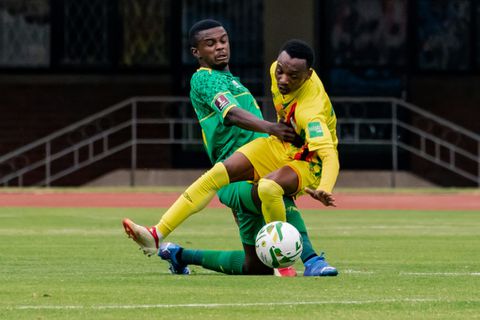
[[318, 267], [169, 251]]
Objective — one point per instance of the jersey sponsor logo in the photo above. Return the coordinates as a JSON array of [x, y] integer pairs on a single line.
[[221, 102], [315, 129]]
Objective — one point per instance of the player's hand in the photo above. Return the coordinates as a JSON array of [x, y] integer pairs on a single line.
[[282, 131], [324, 197], [297, 141]]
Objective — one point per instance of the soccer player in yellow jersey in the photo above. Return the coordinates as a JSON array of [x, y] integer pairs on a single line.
[[300, 100], [279, 167]]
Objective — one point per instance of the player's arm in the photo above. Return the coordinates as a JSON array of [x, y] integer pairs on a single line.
[[320, 141], [245, 120], [330, 169], [222, 102]]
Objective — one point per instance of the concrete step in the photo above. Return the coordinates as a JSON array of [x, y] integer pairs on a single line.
[[346, 179]]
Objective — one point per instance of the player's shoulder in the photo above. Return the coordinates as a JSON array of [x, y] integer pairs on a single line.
[[205, 77], [314, 95], [317, 81], [315, 88], [201, 75]]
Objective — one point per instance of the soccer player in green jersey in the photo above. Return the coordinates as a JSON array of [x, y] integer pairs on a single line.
[[230, 118]]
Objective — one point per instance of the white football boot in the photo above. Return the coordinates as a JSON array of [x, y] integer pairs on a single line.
[[146, 237]]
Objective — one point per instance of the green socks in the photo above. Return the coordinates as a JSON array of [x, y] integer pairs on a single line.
[[228, 262], [294, 218]]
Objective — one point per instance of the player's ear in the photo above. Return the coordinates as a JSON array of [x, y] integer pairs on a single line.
[[309, 73], [194, 52]]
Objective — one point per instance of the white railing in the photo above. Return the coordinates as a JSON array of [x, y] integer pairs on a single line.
[[390, 122]]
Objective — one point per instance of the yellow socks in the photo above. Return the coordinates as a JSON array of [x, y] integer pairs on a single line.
[[271, 194], [194, 199]]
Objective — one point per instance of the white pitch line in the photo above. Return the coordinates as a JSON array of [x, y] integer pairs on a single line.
[[350, 271], [452, 274], [227, 305], [424, 274]]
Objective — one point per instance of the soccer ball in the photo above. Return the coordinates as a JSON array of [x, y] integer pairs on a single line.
[[278, 244]]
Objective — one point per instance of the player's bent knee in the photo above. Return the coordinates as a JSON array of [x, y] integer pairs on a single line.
[[268, 189]]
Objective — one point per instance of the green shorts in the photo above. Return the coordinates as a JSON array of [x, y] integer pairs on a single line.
[[238, 197]]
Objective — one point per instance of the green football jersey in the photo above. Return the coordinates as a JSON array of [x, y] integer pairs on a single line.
[[213, 93]]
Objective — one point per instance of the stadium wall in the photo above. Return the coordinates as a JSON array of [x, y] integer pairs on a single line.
[[346, 179], [453, 97], [33, 106]]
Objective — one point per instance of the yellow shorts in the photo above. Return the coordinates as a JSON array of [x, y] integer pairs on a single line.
[[270, 154]]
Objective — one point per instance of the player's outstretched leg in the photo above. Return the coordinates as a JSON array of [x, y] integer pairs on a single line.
[[319, 267], [170, 252], [195, 198], [228, 262], [146, 237]]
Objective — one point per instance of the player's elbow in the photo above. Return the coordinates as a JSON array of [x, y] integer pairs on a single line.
[[329, 157], [228, 120], [232, 118], [327, 152]]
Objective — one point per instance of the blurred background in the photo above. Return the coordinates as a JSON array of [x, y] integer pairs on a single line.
[[96, 91]]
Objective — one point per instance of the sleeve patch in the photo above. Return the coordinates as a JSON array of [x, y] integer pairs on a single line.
[[315, 129], [221, 102]]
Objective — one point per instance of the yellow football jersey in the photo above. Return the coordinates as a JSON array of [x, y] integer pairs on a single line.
[[310, 112]]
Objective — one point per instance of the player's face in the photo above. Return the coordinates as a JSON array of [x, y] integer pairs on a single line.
[[213, 48], [291, 73]]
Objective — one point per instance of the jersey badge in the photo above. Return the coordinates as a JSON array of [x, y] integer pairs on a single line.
[[221, 102], [315, 129]]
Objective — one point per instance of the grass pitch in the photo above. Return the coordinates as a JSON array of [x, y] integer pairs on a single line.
[[58, 263]]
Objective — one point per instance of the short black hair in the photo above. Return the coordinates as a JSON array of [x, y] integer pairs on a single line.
[[299, 49], [200, 26]]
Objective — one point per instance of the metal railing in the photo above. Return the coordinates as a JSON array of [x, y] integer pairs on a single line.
[[381, 121], [404, 126]]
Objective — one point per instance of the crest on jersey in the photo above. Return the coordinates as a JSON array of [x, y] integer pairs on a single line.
[[221, 102]]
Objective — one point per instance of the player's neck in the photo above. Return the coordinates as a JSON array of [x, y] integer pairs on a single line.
[[216, 68], [296, 93], [226, 69]]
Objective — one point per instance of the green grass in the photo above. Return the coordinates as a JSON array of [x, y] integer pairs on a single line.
[[77, 264]]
